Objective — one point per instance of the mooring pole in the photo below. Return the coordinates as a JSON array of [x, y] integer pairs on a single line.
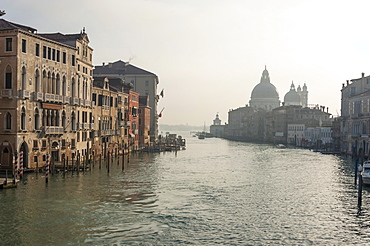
[[356, 170], [108, 161], [359, 202], [123, 159], [47, 168]]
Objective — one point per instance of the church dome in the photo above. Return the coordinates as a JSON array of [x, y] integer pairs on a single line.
[[265, 89], [292, 97]]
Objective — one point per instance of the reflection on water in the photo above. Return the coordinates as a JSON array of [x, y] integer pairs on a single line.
[[215, 192]]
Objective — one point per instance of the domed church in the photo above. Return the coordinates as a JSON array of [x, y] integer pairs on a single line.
[[296, 97], [264, 95]]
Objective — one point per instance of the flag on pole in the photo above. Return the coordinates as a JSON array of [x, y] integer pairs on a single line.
[[160, 113]]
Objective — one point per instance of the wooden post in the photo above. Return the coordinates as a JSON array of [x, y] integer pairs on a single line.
[[123, 159], [359, 201], [73, 164], [100, 161], [67, 163], [21, 165], [108, 161], [47, 168], [356, 170]]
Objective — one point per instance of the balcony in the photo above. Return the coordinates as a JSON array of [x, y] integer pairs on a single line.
[[7, 93], [75, 101], [86, 126], [65, 100], [38, 96], [105, 107], [49, 97], [24, 94], [54, 130], [88, 103], [59, 98]]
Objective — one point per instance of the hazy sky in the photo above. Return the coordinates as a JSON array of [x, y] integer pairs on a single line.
[[209, 54]]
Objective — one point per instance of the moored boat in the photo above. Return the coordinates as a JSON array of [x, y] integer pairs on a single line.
[[365, 173]]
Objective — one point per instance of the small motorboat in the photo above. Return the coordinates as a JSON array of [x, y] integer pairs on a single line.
[[280, 146], [365, 172]]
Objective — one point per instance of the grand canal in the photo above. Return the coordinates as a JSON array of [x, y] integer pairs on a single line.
[[215, 192]]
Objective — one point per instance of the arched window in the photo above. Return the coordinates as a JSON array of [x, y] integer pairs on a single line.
[[37, 81], [23, 79], [8, 77], [23, 119], [49, 84], [73, 87], [8, 121], [64, 86], [37, 119], [57, 84], [73, 118], [44, 82], [53, 84], [64, 120], [57, 119]]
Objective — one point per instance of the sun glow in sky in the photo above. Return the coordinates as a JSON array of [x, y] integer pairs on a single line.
[[210, 54]]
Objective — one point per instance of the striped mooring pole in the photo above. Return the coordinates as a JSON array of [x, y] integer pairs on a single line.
[[14, 169], [21, 164], [47, 168]]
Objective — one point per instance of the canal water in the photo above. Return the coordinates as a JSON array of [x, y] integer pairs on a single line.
[[217, 192]]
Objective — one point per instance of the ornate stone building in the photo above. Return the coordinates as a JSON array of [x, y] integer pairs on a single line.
[[45, 95]]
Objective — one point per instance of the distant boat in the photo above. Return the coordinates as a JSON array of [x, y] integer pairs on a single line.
[[201, 136], [280, 146]]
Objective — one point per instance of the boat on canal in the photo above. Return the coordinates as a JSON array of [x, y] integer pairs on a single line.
[[365, 173], [8, 183]]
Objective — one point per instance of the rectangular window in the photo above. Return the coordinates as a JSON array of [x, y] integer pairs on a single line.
[[9, 44], [8, 80], [43, 144], [64, 57], [58, 55], [49, 53], [37, 51], [53, 54], [73, 143], [35, 144], [44, 52], [73, 60], [100, 100], [24, 46]]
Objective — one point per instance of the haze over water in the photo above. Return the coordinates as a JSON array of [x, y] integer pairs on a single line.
[[215, 192]]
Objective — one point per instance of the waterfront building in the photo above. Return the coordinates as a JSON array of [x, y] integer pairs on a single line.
[[279, 119], [110, 133], [143, 82], [245, 124], [45, 95], [295, 134], [264, 95], [216, 129], [355, 115], [318, 137], [144, 122]]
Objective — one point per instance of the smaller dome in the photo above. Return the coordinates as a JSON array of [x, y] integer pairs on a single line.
[[292, 97]]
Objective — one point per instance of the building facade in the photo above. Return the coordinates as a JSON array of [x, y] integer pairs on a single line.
[[45, 95], [143, 82]]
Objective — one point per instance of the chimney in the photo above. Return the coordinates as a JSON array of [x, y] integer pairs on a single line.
[[363, 75], [342, 85], [347, 82], [103, 64]]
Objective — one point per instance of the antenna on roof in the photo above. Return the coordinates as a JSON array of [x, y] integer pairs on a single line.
[[2, 12]]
